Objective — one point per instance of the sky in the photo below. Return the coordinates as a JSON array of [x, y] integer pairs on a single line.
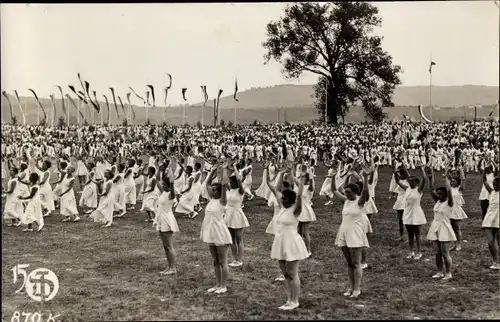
[[122, 45]]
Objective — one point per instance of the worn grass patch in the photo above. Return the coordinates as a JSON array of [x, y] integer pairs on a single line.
[[112, 274]]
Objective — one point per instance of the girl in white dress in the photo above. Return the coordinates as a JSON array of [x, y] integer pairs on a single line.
[[139, 180], [351, 236], [45, 191], [235, 218], [441, 231], [457, 213], [61, 170], [280, 186], [187, 200], [207, 166], [180, 177], [326, 186], [88, 198], [197, 185], [67, 197], [13, 207], [370, 207], [164, 221], [33, 212], [119, 191], [150, 194], [399, 205], [491, 221], [288, 246], [81, 169], [130, 193], [307, 214], [484, 196], [263, 191], [214, 231], [104, 212], [248, 179], [413, 214]]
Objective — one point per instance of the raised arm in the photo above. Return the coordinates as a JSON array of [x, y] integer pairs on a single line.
[[298, 203], [365, 195], [422, 179], [335, 191]]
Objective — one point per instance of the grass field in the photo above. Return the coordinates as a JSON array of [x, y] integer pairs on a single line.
[[112, 274]]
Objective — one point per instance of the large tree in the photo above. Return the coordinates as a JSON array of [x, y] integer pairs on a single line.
[[335, 40]]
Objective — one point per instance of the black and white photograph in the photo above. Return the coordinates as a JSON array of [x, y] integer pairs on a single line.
[[250, 161]]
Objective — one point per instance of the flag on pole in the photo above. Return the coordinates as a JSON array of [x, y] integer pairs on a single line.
[[121, 104], [147, 99], [235, 89], [4, 93], [170, 81], [62, 100], [96, 102], [40, 106], [53, 100], [184, 93], [430, 66], [205, 95], [152, 89], [216, 110], [114, 101], [107, 105], [138, 96], [20, 106], [130, 104]]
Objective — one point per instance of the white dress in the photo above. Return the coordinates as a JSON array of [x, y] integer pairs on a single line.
[[213, 228], [81, 168], [187, 201], [288, 245], [197, 187], [88, 197], [139, 183], [326, 187], [13, 206], [457, 212], [118, 190], [150, 199], [33, 211], [234, 216], [179, 183], [104, 212], [307, 214], [484, 195], [165, 220], [57, 189], [247, 183], [354, 227], [413, 213], [46, 195], [492, 217], [400, 200], [68, 200], [271, 227], [441, 229], [263, 191], [130, 192]]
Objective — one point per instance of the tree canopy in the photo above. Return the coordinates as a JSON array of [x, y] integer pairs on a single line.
[[335, 40]]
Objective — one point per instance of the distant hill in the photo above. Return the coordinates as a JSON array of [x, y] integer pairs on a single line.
[[292, 103]]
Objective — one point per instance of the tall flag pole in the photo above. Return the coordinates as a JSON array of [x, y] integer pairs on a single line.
[[204, 102], [23, 111], [164, 115], [234, 97], [215, 112], [218, 110], [53, 101], [184, 106], [430, 84]]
